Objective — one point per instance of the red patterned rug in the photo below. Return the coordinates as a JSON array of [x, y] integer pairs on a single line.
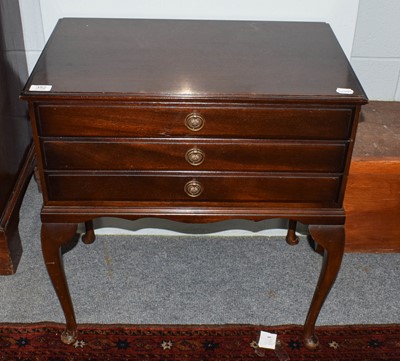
[[41, 342]]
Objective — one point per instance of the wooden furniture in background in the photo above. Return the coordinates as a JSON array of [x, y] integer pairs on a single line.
[[194, 121], [16, 151], [372, 199]]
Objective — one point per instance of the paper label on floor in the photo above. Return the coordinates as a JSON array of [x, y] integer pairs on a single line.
[[267, 340]]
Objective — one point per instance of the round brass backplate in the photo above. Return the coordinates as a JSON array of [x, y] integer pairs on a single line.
[[194, 122], [195, 156], [193, 188]]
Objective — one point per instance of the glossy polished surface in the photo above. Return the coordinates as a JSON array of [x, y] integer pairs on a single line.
[[195, 59], [194, 121]]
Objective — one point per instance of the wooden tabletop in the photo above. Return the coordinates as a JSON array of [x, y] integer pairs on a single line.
[[378, 133], [194, 59]]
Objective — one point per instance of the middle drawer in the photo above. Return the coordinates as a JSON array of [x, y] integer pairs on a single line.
[[184, 154]]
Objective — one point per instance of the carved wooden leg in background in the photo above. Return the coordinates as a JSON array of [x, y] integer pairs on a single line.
[[55, 235], [89, 236], [331, 239], [291, 237], [37, 178]]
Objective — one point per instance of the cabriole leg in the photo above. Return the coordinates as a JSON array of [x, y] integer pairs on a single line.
[[89, 236], [331, 239], [54, 236], [291, 237]]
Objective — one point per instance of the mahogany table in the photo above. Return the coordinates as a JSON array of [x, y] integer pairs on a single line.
[[194, 121]]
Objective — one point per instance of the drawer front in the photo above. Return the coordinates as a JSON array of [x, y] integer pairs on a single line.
[[195, 154], [227, 122], [186, 188]]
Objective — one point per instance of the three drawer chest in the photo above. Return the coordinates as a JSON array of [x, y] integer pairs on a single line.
[[193, 121]]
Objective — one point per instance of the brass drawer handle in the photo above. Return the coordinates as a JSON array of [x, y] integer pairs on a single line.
[[195, 156], [193, 188], [194, 122]]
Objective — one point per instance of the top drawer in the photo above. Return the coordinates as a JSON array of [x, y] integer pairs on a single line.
[[236, 122]]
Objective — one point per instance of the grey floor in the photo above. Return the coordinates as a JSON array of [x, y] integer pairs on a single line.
[[196, 279]]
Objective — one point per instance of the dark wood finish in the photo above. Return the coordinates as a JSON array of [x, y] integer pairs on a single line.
[[159, 154], [10, 241], [171, 59], [89, 237], [291, 237], [194, 121], [373, 192], [217, 188], [54, 236], [16, 149], [222, 122], [331, 239]]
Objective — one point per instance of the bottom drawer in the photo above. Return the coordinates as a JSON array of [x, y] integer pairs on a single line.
[[215, 188]]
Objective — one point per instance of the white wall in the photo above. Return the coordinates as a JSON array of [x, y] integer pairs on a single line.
[[376, 50], [32, 25]]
